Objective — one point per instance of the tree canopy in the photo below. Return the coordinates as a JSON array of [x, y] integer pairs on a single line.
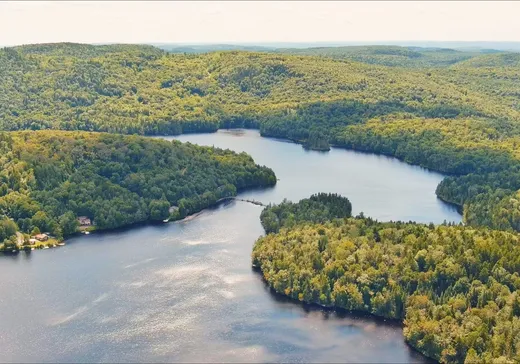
[[456, 288], [320, 207], [49, 178]]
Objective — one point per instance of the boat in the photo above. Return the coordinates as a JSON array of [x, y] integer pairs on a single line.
[[166, 220], [45, 247], [61, 244]]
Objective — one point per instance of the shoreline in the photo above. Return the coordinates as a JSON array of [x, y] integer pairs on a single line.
[[343, 147], [387, 320], [42, 245], [332, 146], [59, 243], [458, 207], [301, 143]]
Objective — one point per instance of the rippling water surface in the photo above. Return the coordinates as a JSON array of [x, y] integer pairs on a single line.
[[185, 291]]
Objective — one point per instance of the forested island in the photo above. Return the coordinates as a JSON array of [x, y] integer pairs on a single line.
[[50, 178], [449, 111], [456, 288]]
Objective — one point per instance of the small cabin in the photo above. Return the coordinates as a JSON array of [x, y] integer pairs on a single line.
[[84, 221], [41, 237]]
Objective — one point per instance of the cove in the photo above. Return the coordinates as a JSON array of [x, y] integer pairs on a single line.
[[185, 291]]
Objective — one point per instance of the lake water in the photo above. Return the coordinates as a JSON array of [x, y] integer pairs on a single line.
[[380, 186], [185, 291]]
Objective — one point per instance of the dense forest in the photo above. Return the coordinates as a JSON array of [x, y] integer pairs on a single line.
[[320, 208], [143, 90], [456, 288], [450, 111], [392, 56], [49, 178]]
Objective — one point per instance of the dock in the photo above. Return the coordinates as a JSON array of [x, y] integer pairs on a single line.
[[254, 202]]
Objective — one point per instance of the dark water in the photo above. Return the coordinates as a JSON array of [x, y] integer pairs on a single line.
[[185, 291]]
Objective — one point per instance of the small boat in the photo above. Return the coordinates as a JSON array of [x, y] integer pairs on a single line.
[[32, 248], [45, 247], [87, 232], [61, 244], [166, 220]]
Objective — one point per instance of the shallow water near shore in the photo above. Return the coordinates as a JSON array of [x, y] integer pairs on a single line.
[[186, 292]]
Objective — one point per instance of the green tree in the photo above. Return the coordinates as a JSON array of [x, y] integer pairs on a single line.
[[68, 223]]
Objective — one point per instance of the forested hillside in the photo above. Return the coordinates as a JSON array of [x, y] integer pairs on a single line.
[[392, 56], [140, 89], [49, 178], [456, 288], [463, 119]]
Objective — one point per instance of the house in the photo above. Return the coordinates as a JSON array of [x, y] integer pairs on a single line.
[[84, 221], [41, 237]]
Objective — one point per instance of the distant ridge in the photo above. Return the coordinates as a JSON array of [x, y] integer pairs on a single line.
[[206, 48], [459, 45]]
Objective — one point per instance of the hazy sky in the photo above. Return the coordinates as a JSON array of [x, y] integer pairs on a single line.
[[248, 21]]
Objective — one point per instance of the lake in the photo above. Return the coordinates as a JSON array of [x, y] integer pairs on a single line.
[[185, 291]]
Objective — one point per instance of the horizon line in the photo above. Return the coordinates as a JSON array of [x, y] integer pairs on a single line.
[[259, 43]]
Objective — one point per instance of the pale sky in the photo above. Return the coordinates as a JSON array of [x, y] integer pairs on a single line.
[[249, 22]]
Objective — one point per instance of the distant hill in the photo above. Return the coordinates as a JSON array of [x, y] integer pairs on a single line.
[[145, 90], [392, 56], [86, 50], [457, 45], [463, 45], [493, 60], [206, 48]]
